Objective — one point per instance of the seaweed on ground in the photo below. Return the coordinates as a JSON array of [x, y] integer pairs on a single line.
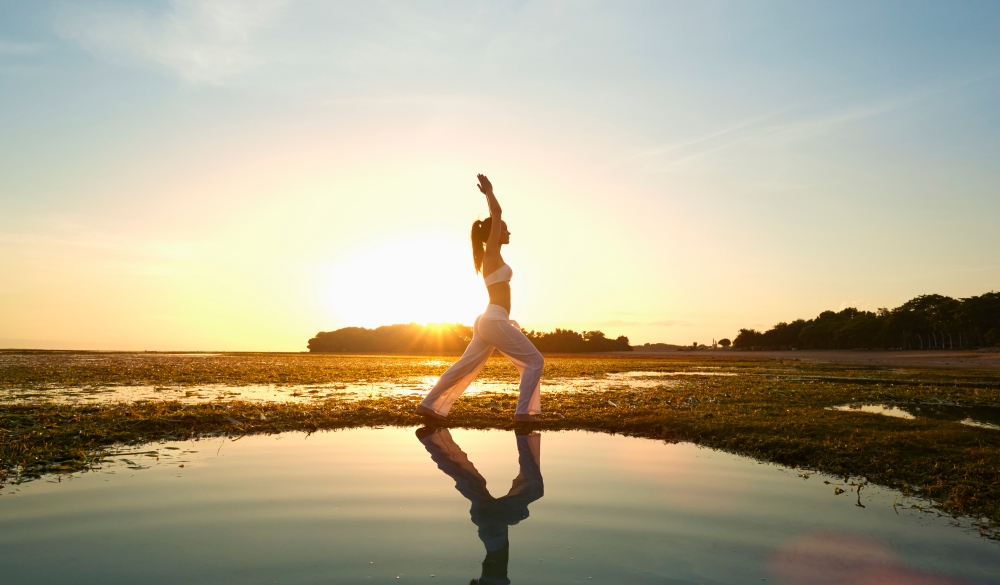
[[772, 411]]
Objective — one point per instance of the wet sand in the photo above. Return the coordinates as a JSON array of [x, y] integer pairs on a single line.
[[968, 359]]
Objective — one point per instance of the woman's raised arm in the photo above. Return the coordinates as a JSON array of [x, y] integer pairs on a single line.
[[493, 241]]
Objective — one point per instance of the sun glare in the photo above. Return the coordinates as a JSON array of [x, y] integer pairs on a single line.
[[420, 280]]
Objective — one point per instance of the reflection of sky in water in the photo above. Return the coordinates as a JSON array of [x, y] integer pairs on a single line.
[[882, 409], [694, 372], [975, 423], [983, 417], [376, 504]]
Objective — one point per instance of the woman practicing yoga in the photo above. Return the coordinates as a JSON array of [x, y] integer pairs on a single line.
[[492, 329]]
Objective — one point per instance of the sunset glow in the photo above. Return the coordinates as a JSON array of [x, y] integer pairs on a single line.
[[423, 280], [241, 175]]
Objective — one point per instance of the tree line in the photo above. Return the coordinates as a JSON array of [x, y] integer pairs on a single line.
[[451, 338], [567, 341], [440, 339], [925, 322]]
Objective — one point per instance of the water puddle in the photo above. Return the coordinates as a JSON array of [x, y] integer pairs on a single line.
[[318, 392], [985, 417], [983, 425], [695, 372], [187, 394], [439, 506], [102, 378], [883, 409]]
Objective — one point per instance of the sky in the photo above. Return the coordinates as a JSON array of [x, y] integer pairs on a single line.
[[241, 174]]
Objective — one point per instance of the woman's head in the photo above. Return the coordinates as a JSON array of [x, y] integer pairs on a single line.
[[480, 233]]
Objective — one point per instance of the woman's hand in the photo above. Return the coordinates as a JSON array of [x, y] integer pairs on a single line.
[[493, 240], [487, 189], [484, 185]]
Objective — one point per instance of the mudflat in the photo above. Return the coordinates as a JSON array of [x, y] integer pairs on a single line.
[[950, 359], [925, 423]]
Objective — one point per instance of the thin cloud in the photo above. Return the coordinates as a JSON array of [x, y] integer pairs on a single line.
[[761, 129], [780, 133], [669, 323], [856, 304], [12, 48], [623, 323], [202, 42], [708, 138], [68, 236]]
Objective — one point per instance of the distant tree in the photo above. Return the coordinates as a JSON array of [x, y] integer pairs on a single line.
[[924, 322], [748, 339], [976, 317], [658, 347], [442, 338], [447, 338], [784, 335], [567, 341]]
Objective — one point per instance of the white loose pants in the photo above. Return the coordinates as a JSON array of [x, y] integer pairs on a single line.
[[492, 329]]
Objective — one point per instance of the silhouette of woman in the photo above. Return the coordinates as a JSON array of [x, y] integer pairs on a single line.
[[492, 329], [492, 515]]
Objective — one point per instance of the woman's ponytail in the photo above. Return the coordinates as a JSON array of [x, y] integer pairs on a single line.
[[480, 231]]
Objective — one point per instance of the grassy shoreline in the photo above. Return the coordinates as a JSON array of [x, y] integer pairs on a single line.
[[775, 412]]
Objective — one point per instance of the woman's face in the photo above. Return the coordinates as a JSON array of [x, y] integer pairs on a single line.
[[504, 234]]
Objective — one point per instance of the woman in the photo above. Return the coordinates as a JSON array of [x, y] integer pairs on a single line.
[[492, 329]]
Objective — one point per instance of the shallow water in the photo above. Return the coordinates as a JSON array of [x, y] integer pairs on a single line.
[[984, 417], [883, 409], [304, 393], [392, 505]]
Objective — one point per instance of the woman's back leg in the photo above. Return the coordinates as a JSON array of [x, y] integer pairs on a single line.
[[458, 377]]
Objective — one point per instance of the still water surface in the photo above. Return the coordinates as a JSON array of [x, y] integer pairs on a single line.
[[395, 505]]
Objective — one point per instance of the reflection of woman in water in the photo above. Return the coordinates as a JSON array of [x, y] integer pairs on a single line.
[[492, 515], [492, 329]]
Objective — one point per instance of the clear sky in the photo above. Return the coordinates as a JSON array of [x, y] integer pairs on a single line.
[[240, 174]]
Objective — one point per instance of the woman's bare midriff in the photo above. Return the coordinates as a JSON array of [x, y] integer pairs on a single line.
[[500, 294]]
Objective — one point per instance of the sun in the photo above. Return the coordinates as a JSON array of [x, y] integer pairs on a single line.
[[408, 280]]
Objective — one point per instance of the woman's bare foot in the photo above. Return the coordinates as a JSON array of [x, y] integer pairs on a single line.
[[525, 418], [424, 411]]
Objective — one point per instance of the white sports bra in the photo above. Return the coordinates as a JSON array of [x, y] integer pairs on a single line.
[[501, 274]]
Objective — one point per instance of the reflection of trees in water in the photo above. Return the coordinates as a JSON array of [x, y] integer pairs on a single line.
[[493, 516]]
